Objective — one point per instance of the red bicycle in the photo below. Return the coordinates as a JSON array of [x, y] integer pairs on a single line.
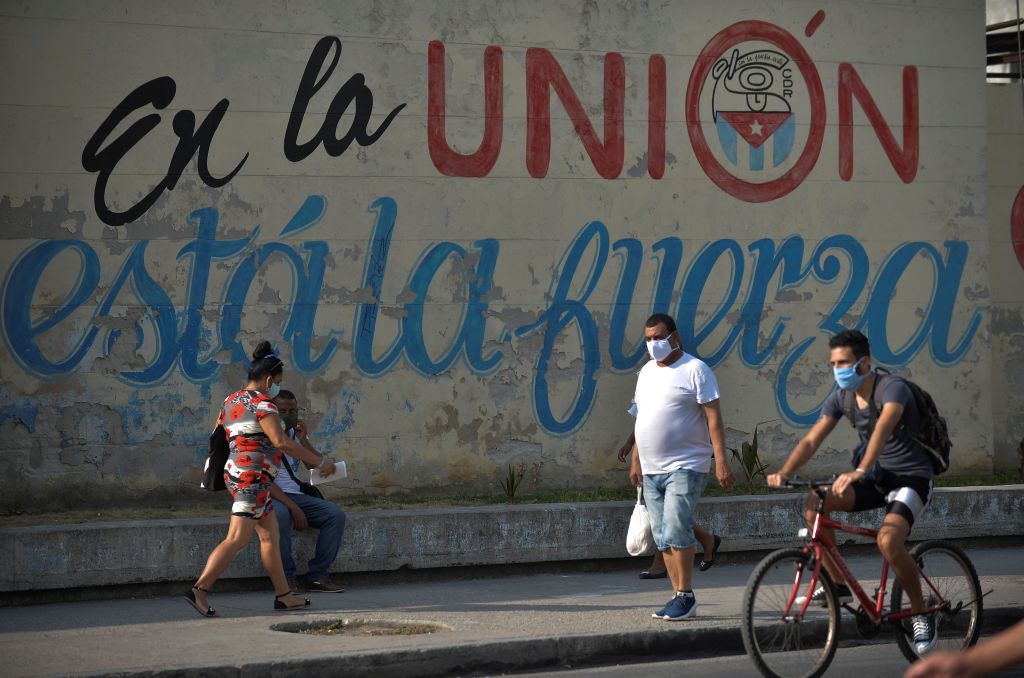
[[789, 636]]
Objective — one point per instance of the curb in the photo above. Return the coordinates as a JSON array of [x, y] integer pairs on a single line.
[[520, 654]]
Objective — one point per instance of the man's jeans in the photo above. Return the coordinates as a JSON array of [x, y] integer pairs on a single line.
[[324, 516], [671, 504]]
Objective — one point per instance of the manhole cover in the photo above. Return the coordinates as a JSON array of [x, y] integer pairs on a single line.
[[361, 627]]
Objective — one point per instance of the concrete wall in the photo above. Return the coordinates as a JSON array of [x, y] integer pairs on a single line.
[[1006, 223], [456, 280], [130, 552]]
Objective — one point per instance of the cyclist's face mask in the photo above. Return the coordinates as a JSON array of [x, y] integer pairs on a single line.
[[847, 377]]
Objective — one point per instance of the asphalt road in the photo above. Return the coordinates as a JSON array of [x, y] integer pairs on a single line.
[[865, 661]]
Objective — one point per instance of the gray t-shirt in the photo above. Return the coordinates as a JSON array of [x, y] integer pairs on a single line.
[[901, 455]]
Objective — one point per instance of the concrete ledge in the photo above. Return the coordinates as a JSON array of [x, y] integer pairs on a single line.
[[134, 552]]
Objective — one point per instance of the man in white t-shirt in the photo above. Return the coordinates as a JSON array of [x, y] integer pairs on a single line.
[[295, 508], [678, 429]]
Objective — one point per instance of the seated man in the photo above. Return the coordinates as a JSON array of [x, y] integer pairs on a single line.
[[292, 507], [904, 479]]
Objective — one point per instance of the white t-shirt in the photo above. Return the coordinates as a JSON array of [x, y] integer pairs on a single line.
[[671, 428], [283, 480]]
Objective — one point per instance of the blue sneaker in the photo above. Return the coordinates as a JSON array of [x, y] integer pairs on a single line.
[[660, 614], [924, 633], [683, 606]]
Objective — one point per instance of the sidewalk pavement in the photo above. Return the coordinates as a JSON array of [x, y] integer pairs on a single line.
[[491, 625]]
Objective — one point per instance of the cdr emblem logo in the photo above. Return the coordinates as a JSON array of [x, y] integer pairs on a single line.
[[752, 84], [750, 101]]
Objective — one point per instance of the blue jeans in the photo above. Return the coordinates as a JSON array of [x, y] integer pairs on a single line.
[[324, 516], [671, 503]]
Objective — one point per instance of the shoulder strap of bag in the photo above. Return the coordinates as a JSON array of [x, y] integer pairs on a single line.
[[876, 406], [849, 403], [288, 467], [873, 407]]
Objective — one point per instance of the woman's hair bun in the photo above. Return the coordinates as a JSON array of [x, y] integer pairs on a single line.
[[263, 349]]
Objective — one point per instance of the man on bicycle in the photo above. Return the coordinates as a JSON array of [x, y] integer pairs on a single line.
[[901, 482]]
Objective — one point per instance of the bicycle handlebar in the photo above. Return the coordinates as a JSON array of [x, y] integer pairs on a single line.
[[813, 484]]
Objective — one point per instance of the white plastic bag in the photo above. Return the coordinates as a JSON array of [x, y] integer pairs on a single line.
[[639, 539]]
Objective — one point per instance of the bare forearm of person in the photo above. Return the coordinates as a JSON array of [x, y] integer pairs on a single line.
[[1000, 652], [718, 444], [627, 447], [716, 430], [271, 426], [803, 451], [300, 452], [635, 472], [309, 446]]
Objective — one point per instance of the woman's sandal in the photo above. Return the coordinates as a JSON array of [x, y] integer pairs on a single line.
[[647, 574], [705, 565], [279, 605], [191, 598]]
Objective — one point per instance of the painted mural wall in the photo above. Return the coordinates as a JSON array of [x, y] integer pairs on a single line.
[[1006, 218], [453, 219]]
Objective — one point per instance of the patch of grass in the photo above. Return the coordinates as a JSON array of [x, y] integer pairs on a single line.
[[976, 479], [78, 516]]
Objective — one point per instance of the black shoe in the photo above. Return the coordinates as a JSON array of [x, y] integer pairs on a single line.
[[191, 598], [647, 574], [324, 585], [705, 563]]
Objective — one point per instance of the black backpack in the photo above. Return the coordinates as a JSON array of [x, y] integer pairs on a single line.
[[933, 436]]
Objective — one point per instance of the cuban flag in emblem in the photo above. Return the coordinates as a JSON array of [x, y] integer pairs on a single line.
[[750, 102]]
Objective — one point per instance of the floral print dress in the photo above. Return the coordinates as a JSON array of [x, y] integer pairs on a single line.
[[254, 461]]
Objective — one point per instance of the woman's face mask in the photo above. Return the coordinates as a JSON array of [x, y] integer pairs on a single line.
[[847, 377], [275, 388]]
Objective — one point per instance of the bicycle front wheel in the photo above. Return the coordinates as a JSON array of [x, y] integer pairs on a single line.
[[949, 581], [781, 644]]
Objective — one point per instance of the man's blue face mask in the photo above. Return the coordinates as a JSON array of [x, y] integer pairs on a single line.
[[847, 377]]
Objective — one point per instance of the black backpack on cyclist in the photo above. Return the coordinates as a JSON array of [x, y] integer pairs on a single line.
[[933, 435]]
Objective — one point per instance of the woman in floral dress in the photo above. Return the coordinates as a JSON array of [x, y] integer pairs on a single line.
[[256, 439]]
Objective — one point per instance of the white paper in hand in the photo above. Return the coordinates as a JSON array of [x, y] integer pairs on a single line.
[[339, 472], [639, 539]]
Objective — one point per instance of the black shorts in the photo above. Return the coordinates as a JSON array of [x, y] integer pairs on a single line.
[[905, 496]]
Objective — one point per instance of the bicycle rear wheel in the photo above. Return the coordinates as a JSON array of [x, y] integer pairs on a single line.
[[780, 645], [950, 574]]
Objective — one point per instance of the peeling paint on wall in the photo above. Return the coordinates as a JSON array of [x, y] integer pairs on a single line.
[[454, 220]]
